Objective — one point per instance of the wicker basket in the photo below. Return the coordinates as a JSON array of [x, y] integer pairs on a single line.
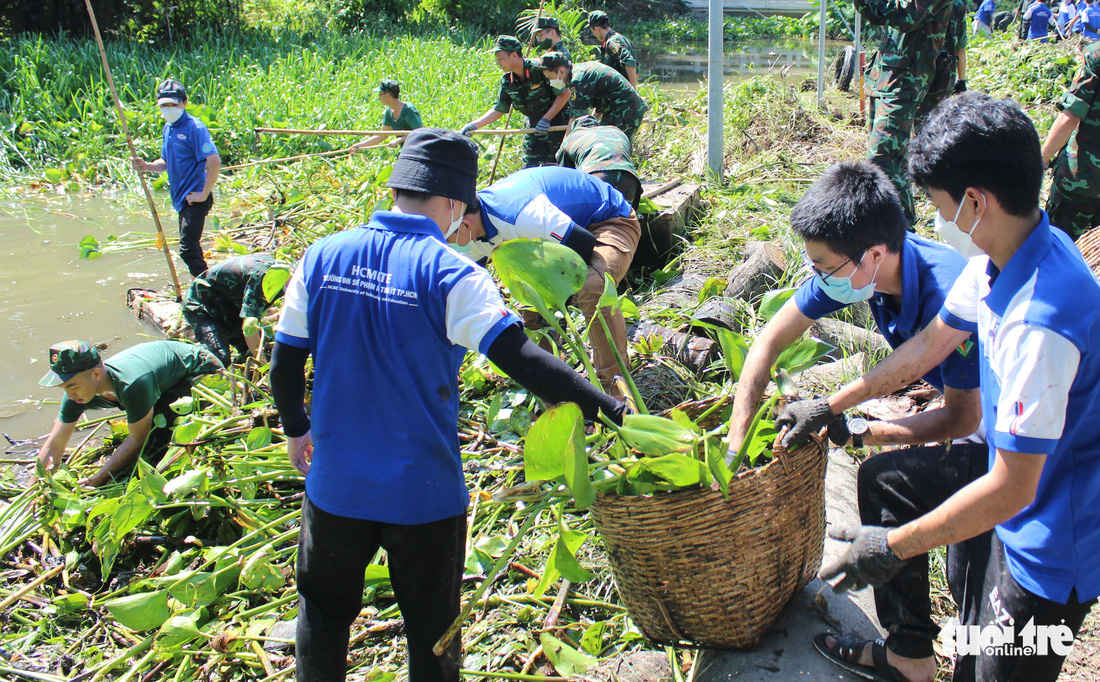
[[693, 568], [1089, 245]]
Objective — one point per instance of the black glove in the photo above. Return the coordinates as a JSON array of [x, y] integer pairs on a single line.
[[960, 86], [803, 418], [467, 129], [543, 126], [868, 561]]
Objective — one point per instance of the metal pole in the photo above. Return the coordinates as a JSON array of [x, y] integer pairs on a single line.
[[715, 83], [859, 63], [821, 54]]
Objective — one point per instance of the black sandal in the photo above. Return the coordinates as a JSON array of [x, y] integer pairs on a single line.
[[846, 651]]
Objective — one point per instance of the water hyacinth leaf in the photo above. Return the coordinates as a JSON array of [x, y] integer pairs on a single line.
[[160, 182], [652, 435], [275, 281], [257, 438], [681, 418], [184, 405], [677, 470], [549, 443], [772, 302], [187, 432], [250, 326], [555, 272], [186, 482], [803, 355], [134, 510], [198, 589], [592, 639], [139, 612], [734, 351], [151, 481], [70, 602], [714, 286], [54, 175], [567, 661], [786, 384], [159, 421], [376, 575], [715, 450], [565, 559], [180, 629], [259, 574], [764, 437], [610, 296]]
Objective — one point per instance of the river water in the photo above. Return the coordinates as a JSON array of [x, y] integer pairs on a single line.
[[49, 294]]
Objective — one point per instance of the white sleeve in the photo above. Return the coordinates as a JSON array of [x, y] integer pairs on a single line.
[[293, 321], [476, 314], [1035, 368], [961, 304], [540, 218], [1027, 14]]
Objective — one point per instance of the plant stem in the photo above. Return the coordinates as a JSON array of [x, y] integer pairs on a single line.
[[744, 449], [621, 362]]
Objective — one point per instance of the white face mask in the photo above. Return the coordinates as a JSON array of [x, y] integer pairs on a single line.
[[949, 231], [475, 249], [557, 83], [171, 114], [455, 223]]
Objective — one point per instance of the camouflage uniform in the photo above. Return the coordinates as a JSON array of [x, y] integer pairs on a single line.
[[532, 96], [599, 87], [898, 77], [1074, 203], [560, 47], [220, 299], [943, 83], [602, 151], [618, 53]]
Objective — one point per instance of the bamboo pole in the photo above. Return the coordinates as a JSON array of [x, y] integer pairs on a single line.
[[396, 133], [161, 240]]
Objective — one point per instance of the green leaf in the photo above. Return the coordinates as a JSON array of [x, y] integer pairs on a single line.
[[714, 286], [552, 271], [257, 438], [250, 326], [185, 433], [652, 435], [275, 281], [548, 443], [567, 661], [734, 351], [761, 439], [186, 482], [592, 639], [773, 301], [54, 175], [152, 483], [610, 296], [716, 462], [376, 575], [134, 510], [197, 590], [803, 355], [678, 470], [139, 612], [681, 418], [184, 405], [259, 574], [180, 629], [564, 556], [786, 384]]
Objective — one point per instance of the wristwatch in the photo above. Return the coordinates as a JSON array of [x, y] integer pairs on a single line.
[[859, 428]]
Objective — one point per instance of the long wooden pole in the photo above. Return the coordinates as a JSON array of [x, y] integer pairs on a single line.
[[161, 240], [395, 133], [530, 46]]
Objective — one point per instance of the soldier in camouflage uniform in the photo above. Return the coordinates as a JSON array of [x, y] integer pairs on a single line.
[[597, 87], [549, 34], [1074, 203], [222, 298], [898, 78], [615, 50], [524, 88], [604, 152], [950, 78]]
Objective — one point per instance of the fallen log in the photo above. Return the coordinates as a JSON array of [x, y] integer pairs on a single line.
[[763, 266], [694, 352], [849, 337]]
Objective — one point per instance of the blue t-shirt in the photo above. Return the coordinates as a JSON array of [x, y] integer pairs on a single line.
[[1038, 15], [985, 12], [546, 203], [1090, 22], [1039, 325], [185, 145], [1080, 25], [928, 271], [388, 311]]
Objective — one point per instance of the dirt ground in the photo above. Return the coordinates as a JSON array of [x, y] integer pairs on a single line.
[[1083, 664]]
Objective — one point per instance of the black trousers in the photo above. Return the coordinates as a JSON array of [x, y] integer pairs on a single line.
[[192, 221], [899, 486], [217, 336], [425, 562]]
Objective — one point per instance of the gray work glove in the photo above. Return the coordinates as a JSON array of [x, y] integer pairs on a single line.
[[467, 129], [803, 418], [543, 126], [868, 561]]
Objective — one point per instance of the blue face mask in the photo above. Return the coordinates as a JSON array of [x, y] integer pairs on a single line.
[[840, 289]]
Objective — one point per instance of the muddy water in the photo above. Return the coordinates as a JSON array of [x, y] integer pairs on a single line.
[[49, 294], [684, 67]]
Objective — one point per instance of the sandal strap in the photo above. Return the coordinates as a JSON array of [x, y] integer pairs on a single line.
[[882, 666]]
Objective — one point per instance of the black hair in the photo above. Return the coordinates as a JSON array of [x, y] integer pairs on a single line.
[[412, 194], [473, 207], [974, 140], [394, 90], [850, 208]]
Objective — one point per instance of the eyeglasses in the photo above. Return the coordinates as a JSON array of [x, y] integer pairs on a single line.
[[824, 276]]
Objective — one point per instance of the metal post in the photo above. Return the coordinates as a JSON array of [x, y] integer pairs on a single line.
[[715, 83], [821, 54], [859, 63]]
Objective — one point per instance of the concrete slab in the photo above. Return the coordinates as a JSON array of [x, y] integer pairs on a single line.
[[787, 651]]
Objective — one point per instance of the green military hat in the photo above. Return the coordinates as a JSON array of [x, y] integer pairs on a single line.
[[554, 60], [547, 22], [598, 18], [586, 121], [69, 358], [390, 86], [508, 44]]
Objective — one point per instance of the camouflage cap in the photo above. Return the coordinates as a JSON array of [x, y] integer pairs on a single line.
[[554, 60], [547, 22], [598, 18], [69, 358], [389, 86], [508, 44], [586, 121]]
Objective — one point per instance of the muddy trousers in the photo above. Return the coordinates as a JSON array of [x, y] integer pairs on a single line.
[[897, 487], [192, 222], [425, 563]]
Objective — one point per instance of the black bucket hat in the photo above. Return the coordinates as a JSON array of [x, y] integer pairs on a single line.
[[438, 162]]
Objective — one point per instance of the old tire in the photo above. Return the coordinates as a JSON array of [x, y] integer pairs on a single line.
[[845, 68]]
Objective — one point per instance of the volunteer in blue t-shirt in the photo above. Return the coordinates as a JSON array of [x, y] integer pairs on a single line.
[[1035, 307], [1066, 12], [1087, 21], [1038, 16], [189, 155], [575, 209], [983, 20], [388, 312]]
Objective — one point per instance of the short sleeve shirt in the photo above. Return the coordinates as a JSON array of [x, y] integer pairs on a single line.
[[388, 311], [1038, 15], [185, 145], [141, 374], [985, 12], [408, 120], [618, 52], [231, 291], [928, 271], [1038, 321]]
